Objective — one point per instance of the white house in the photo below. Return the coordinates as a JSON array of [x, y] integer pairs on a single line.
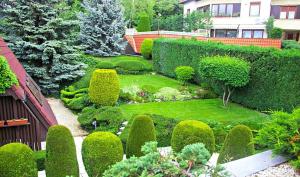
[[246, 18]]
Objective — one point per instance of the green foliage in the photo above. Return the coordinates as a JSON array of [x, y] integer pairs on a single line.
[[205, 94], [171, 94], [276, 33], [17, 160], [144, 23], [192, 161], [269, 25], [169, 23], [282, 135], [7, 77], [61, 157], [40, 157], [104, 87], [146, 48], [190, 132], [105, 65], [197, 20], [290, 44], [238, 144], [274, 73], [107, 118], [142, 130], [99, 151], [184, 73], [163, 129], [130, 67], [75, 99], [40, 40]]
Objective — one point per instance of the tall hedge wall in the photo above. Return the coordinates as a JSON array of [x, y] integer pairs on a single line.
[[274, 78]]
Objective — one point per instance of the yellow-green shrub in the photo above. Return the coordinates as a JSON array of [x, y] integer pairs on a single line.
[[104, 87], [146, 48]]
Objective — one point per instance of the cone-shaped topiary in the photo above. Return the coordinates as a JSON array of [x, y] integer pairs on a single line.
[[104, 87], [99, 151], [61, 158], [238, 144], [17, 160], [142, 130], [190, 132], [146, 48], [144, 22]]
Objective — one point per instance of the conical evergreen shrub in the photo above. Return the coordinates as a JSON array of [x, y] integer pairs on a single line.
[[238, 144], [142, 130], [190, 132]]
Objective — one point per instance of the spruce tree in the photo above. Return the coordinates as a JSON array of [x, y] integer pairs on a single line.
[[38, 36], [102, 27]]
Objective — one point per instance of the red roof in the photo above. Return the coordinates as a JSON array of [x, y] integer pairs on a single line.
[[22, 92]]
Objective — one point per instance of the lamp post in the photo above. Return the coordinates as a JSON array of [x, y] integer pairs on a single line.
[[159, 15]]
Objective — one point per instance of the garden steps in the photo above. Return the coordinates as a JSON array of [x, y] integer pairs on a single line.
[[253, 164]]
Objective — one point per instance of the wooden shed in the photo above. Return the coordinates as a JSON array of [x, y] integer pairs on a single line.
[[25, 114]]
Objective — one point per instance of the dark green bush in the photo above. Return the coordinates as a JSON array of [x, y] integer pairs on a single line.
[[205, 94], [105, 65], [184, 73], [7, 77], [146, 48], [130, 67], [75, 99], [238, 144], [142, 130], [274, 74], [17, 160], [190, 132], [99, 151], [276, 33], [143, 23], [107, 118], [40, 157], [61, 160], [290, 44]]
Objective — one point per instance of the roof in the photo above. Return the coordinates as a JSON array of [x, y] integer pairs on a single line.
[[185, 1], [39, 106]]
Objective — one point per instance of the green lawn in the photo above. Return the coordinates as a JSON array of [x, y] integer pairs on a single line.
[[209, 109]]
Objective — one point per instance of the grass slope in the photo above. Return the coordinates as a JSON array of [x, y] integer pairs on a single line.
[[209, 109]]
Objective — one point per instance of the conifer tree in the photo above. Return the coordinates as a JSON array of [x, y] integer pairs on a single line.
[[102, 27], [38, 37]]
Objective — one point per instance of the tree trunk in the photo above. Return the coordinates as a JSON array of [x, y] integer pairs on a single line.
[[224, 95], [229, 94]]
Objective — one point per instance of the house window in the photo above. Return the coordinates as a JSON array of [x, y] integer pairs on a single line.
[[203, 9], [253, 33], [287, 12], [255, 9], [226, 33], [225, 10]]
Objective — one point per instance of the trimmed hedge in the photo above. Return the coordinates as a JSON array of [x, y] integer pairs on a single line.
[[104, 87], [143, 23], [146, 48], [105, 65], [130, 67], [238, 144], [40, 157], [274, 74], [99, 151], [7, 77], [61, 160], [190, 132], [17, 160], [142, 130]]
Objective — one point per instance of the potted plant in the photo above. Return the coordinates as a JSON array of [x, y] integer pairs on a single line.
[[17, 122]]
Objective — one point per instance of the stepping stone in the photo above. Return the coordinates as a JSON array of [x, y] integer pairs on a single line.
[[119, 133], [125, 123], [122, 128]]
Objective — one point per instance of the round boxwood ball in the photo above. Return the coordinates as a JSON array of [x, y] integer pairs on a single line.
[[61, 160], [238, 144], [190, 132], [142, 130], [17, 160], [99, 151], [104, 87]]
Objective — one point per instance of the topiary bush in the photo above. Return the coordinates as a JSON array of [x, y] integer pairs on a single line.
[[276, 33], [40, 157], [105, 65], [99, 151], [104, 87], [184, 73], [142, 130], [130, 67], [143, 23], [17, 160], [190, 132], [7, 77], [61, 160], [146, 48], [238, 144]]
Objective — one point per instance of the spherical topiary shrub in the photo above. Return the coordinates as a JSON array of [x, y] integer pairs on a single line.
[[238, 144], [190, 132], [17, 160], [184, 73], [142, 130], [61, 158], [146, 48], [104, 87], [99, 151]]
